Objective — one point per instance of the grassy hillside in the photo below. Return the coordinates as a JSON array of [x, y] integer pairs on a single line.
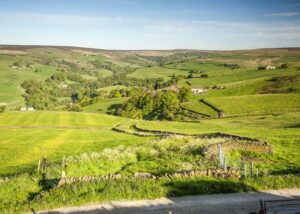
[[26, 137], [258, 104], [77, 87], [156, 72], [105, 106]]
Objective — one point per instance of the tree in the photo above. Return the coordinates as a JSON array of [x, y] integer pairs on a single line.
[[75, 107], [284, 65], [185, 94], [85, 101], [169, 104]]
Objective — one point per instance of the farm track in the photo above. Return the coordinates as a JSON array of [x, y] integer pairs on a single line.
[[91, 128], [231, 203]]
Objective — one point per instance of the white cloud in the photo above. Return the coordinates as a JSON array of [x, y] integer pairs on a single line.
[[287, 14], [126, 33]]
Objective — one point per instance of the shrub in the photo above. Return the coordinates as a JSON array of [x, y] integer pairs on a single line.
[[2, 108], [204, 75], [75, 107]]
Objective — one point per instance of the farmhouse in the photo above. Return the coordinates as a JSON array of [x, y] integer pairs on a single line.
[[198, 90], [269, 67], [26, 109]]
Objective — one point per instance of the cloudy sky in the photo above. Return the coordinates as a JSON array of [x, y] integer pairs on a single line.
[[152, 24]]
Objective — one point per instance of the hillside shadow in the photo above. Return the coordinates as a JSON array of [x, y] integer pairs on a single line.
[[113, 108], [232, 202]]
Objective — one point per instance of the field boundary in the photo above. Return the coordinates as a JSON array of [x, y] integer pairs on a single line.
[[219, 111], [218, 172]]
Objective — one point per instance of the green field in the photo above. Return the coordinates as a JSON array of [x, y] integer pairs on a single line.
[[156, 72], [54, 134], [104, 106], [257, 104]]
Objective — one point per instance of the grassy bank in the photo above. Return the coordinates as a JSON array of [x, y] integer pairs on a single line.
[[32, 195]]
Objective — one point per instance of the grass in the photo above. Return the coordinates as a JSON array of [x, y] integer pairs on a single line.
[[156, 72], [257, 104], [197, 106], [281, 131], [223, 77], [34, 196], [105, 72], [11, 79], [153, 156], [198, 66], [104, 106], [58, 134], [92, 148], [54, 134]]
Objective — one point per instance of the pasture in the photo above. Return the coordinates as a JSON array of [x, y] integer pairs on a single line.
[[156, 72], [26, 137], [260, 105]]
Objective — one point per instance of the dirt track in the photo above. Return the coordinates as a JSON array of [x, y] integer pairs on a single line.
[[234, 203]]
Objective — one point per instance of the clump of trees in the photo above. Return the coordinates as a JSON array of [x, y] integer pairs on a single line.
[[154, 105], [74, 107], [200, 75], [38, 95], [284, 65], [231, 66], [170, 59], [280, 84]]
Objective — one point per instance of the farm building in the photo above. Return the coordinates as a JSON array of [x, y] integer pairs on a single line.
[[269, 67], [26, 109], [198, 90]]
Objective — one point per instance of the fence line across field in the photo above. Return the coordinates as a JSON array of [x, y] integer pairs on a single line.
[[53, 172]]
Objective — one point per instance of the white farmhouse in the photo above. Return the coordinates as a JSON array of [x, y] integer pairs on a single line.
[[198, 90], [26, 109], [269, 67]]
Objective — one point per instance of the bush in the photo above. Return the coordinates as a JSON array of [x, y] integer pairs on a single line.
[[204, 75], [2, 108], [284, 65], [75, 107]]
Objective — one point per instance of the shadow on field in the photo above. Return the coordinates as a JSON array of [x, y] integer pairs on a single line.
[[290, 171], [231, 203], [113, 107], [45, 186]]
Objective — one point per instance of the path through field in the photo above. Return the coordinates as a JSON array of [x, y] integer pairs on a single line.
[[233, 203]]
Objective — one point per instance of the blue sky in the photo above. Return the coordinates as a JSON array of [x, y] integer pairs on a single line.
[[152, 24]]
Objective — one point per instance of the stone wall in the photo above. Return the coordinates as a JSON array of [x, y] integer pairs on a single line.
[[245, 145]]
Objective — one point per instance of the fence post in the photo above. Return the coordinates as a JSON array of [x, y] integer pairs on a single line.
[[43, 167], [220, 155], [39, 166], [245, 170], [63, 168]]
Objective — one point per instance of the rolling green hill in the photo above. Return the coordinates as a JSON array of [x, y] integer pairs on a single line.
[[77, 93]]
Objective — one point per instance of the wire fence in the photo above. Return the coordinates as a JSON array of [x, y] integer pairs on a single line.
[[52, 172]]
